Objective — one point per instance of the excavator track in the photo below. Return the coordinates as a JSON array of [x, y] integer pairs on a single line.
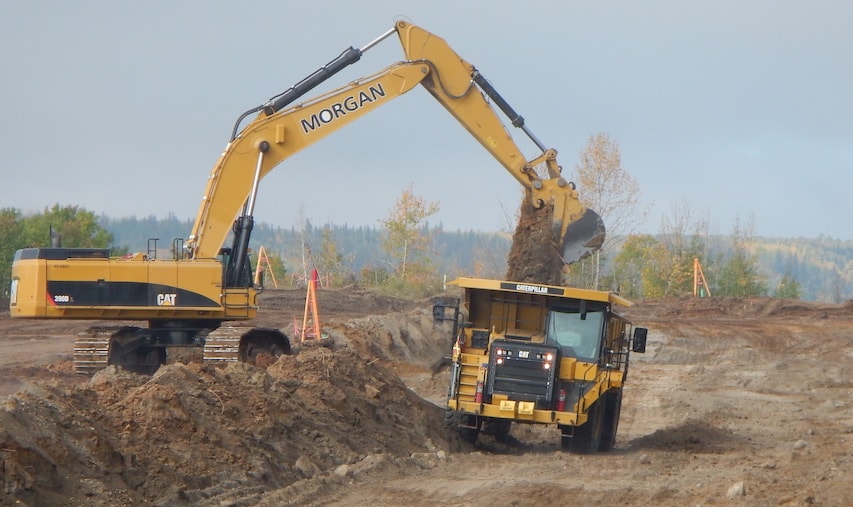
[[127, 347], [257, 346], [223, 345], [92, 350]]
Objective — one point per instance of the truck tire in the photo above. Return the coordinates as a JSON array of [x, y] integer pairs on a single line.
[[498, 428], [586, 438], [466, 426], [612, 409]]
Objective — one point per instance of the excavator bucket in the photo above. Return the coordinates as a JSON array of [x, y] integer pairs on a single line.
[[583, 237]]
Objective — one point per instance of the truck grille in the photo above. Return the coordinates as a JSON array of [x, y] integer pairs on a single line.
[[522, 371]]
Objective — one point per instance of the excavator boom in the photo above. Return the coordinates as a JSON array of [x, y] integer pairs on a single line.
[[456, 84]]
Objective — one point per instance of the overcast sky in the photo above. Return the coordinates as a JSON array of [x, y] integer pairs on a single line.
[[742, 108]]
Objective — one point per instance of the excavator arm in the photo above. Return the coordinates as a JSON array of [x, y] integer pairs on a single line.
[[282, 128], [578, 231]]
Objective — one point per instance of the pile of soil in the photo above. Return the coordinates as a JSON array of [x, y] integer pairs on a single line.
[[676, 308], [196, 434]]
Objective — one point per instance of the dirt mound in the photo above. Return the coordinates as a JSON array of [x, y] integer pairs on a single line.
[[195, 434], [736, 307], [691, 436], [411, 338]]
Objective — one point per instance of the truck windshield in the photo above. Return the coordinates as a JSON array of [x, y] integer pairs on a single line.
[[576, 337]]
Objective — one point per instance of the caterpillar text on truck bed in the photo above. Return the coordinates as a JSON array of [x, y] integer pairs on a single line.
[[538, 354], [186, 299]]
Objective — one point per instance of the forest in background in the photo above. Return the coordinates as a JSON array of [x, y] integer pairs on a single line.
[[405, 256], [822, 267]]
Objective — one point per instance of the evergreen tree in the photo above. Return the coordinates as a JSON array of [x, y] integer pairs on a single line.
[[788, 288], [740, 275]]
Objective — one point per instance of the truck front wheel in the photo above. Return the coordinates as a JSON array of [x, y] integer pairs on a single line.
[[586, 438], [612, 409], [467, 426], [498, 428]]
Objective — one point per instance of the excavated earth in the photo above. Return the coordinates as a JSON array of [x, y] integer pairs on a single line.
[[534, 255], [736, 402]]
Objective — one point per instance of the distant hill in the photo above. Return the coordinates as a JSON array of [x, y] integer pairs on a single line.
[[822, 266]]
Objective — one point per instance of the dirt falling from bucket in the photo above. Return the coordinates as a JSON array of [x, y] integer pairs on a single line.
[[534, 256]]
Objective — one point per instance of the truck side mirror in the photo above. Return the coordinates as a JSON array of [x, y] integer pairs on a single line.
[[639, 341]]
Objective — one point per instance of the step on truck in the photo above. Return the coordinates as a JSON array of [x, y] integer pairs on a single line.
[[538, 354]]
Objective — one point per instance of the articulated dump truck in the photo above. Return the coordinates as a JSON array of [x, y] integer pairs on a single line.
[[538, 354]]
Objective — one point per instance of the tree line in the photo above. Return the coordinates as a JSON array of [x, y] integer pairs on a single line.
[[75, 225], [638, 265]]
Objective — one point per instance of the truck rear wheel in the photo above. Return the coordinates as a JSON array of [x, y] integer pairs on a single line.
[[586, 438]]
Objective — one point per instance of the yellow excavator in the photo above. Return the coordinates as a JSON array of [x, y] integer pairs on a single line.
[[186, 299]]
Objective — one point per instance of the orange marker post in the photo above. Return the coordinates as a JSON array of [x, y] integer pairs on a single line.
[[311, 303]]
